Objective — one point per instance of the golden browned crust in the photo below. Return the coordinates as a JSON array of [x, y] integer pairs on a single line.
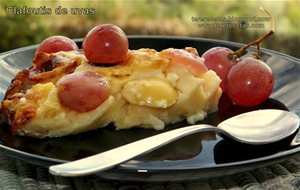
[[45, 68]]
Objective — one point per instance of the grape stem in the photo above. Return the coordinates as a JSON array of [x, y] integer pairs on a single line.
[[240, 51], [256, 42]]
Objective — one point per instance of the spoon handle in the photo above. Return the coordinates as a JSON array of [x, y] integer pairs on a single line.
[[111, 158]]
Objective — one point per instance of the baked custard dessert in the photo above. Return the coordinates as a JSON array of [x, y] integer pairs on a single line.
[[64, 93]]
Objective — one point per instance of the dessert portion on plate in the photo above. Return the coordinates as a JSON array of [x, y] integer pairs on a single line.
[[69, 91], [150, 89]]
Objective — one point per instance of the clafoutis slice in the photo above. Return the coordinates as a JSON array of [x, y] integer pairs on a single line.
[[63, 93]]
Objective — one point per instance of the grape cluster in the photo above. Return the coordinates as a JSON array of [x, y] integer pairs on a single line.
[[248, 81]]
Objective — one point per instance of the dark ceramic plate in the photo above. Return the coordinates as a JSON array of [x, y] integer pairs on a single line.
[[196, 156]]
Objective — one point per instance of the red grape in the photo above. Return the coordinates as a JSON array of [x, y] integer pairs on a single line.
[[82, 91], [105, 43], [55, 44], [249, 82], [217, 60]]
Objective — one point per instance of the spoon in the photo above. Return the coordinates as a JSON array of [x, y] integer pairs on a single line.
[[256, 127]]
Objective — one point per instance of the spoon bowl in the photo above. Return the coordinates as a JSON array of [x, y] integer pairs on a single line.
[[256, 127], [260, 127]]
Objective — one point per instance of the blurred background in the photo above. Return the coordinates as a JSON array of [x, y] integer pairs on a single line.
[[20, 25]]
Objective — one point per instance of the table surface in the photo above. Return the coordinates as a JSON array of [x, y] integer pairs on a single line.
[[16, 174]]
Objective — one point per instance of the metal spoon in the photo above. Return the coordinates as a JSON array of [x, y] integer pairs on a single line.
[[256, 127]]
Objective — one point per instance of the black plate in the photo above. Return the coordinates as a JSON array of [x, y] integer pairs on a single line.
[[193, 157]]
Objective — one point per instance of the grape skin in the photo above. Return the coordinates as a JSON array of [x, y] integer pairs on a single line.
[[249, 82], [55, 44], [105, 43], [217, 60], [82, 91]]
